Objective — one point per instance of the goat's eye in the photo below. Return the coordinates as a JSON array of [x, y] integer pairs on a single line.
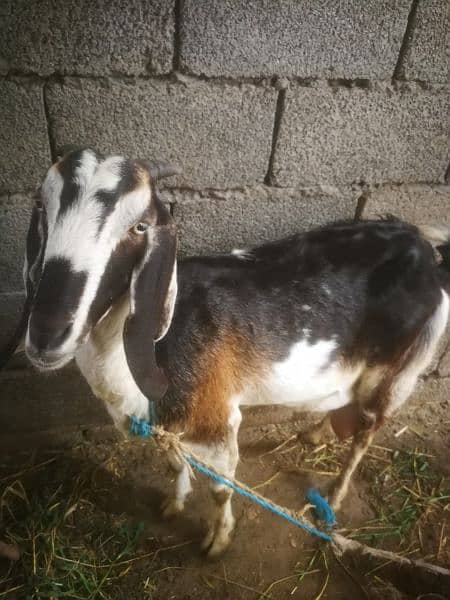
[[140, 228]]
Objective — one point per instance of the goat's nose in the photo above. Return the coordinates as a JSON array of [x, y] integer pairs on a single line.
[[47, 334]]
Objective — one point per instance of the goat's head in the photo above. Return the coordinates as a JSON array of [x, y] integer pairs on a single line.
[[98, 229]]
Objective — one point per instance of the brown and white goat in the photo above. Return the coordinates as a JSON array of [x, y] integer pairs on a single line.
[[341, 319]]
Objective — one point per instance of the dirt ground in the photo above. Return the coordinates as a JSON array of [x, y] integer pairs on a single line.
[[269, 558]]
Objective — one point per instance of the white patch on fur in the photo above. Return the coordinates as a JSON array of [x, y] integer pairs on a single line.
[[127, 213], [51, 192], [310, 379], [169, 304], [242, 253], [75, 237], [86, 170], [306, 307], [103, 363], [223, 457], [173, 504], [103, 175], [435, 234]]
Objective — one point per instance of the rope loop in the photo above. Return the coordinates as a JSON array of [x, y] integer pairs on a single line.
[[171, 441]]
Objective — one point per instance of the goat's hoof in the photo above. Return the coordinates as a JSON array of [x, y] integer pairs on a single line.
[[215, 546], [218, 547], [208, 540], [171, 507], [217, 540]]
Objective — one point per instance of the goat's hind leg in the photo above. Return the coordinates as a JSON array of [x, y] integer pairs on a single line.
[[379, 400], [360, 445]]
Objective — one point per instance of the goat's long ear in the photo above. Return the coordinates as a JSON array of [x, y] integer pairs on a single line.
[[152, 299], [35, 247], [34, 253]]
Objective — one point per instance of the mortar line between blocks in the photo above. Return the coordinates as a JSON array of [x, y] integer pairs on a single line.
[[399, 71], [177, 35], [51, 141], [279, 112], [447, 175]]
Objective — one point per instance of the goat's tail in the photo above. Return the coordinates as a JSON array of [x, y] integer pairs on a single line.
[[436, 234], [440, 234]]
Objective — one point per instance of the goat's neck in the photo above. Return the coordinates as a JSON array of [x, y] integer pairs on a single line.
[[103, 363]]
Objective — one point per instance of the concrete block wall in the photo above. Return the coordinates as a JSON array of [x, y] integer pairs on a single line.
[[284, 114]]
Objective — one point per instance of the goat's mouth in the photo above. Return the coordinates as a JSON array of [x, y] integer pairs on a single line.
[[47, 363]]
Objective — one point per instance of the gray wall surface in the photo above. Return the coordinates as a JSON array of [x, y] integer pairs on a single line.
[[283, 114]]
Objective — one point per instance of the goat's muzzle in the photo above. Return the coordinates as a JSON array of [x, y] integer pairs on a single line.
[[50, 341], [46, 337]]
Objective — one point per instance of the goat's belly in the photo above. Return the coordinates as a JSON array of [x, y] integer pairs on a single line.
[[325, 391], [309, 379]]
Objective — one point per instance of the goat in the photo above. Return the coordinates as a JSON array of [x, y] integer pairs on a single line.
[[341, 319]]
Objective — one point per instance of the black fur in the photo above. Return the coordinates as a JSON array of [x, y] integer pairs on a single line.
[[57, 297], [370, 285], [67, 168]]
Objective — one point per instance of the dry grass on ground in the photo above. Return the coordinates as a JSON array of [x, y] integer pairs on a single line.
[[79, 538]]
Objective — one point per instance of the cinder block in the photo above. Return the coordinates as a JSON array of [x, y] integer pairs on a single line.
[[11, 306], [25, 152], [340, 135], [87, 37], [336, 38], [218, 223], [427, 56], [419, 204], [15, 213], [219, 134]]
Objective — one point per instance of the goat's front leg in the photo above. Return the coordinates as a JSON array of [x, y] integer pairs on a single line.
[[174, 503], [222, 521], [224, 459]]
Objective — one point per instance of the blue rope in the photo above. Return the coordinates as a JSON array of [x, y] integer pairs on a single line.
[[323, 509], [145, 429]]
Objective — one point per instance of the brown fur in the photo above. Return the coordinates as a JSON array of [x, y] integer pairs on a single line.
[[345, 421], [223, 371], [381, 396], [371, 395]]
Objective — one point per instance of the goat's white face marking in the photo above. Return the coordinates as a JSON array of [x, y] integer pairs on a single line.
[[90, 204], [74, 232]]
